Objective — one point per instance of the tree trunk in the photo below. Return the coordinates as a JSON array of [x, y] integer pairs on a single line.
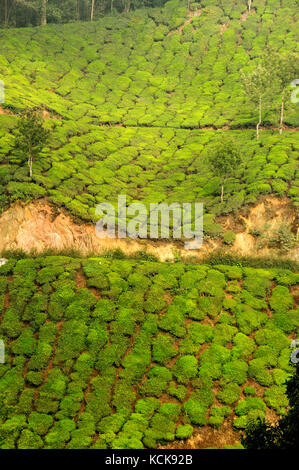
[[30, 164], [78, 10], [189, 1], [5, 13], [282, 111], [222, 191], [92, 10], [249, 5], [260, 119], [111, 6], [128, 6], [44, 13]]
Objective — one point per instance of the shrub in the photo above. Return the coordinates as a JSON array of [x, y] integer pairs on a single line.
[[40, 423], [195, 412], [229, 238], [177, 391], [276, 398], [243, 346], [249, 391], [163, 349], [185, 368], [235, 371], [158, 379], [229, 394], [184, 431], [217, 415], [281, 300], [250, 403], [173, 321], [257, 369], [249, 319], [29, 440]]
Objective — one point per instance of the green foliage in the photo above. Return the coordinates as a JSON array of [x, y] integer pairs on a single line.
[[284, 435], [80, 359], [184, 431], [148, 107], [31, 136], [195, 412], [230, 394], [185, 369], [281, 300], [229, 238], [163, 349], [225, 159]]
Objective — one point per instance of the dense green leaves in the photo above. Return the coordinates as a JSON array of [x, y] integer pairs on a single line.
[[84, 369]]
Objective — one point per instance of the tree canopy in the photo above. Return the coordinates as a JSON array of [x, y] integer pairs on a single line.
[[260, 435], [20, 13]]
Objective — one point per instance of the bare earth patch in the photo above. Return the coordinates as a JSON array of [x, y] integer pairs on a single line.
[[37, 227]]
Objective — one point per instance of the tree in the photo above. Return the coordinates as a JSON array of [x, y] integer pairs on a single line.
[[225, 160], [283, 67], [258, 86], [5, 13], [127, 6], [92, 10], [249, 5], [31, 136], [44, 12], [285, 435], [287, 70]]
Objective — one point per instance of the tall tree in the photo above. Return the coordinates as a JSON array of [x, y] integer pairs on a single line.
[[128, 6], [44, 12], [92, 10], [5, 13], [224, 160], [287, 70], [257, 85], [249, 5], [31, 136], [284, 68]]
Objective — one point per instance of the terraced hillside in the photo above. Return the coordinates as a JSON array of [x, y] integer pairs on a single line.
[[125, 354], [111, 352], [125, 97], [151, 67]]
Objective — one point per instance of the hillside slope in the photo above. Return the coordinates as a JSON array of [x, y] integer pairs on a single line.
[[125, 97], [132, 354]]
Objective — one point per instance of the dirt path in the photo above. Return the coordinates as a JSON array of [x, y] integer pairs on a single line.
[[50, 115]]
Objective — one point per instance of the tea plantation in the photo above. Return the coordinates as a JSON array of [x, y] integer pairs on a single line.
[[150, 67], [81, 169], [124, 354], [109, 353], [129, 97]]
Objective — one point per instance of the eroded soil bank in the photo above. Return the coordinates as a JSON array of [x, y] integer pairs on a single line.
[[39, 227]]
